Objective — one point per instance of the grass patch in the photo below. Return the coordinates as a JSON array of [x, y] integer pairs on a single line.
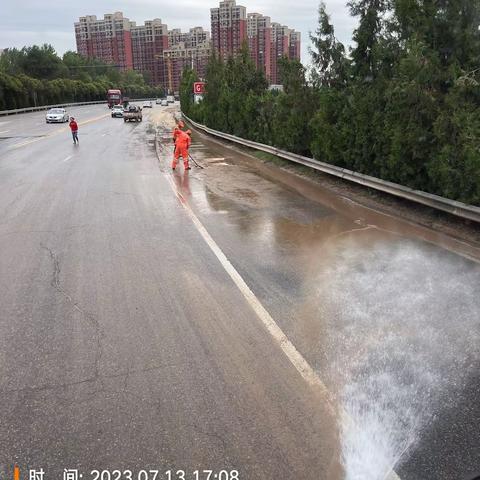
[[270, 158], [281, 162]]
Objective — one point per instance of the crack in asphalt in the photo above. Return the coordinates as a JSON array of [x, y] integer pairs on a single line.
[[90, 318], [125, 193], [25, 232], [209, 434], [68, 230], [6, 137], [65, 385]]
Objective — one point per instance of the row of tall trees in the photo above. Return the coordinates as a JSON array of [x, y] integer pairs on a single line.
[[38, 76], [402, 104]]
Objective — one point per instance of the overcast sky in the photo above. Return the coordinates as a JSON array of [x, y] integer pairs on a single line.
[[28, 22]]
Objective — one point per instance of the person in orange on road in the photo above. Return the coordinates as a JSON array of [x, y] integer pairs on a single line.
[[182, 145]]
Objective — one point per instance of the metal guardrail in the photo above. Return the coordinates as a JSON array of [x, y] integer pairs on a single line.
[[46, 107], [453, 207], [63, 105]]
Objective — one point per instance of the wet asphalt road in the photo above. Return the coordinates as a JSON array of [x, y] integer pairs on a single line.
[[125, 344]]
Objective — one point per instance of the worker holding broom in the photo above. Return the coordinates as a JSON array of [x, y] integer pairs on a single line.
[[182, 144]]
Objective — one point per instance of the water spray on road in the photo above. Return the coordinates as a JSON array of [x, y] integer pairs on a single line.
[[405, 336]]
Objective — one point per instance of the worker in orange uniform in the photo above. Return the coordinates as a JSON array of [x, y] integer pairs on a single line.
[[182, 145]]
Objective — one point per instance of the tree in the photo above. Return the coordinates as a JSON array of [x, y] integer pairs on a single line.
[[214, 111], [11, 61], [295, 108], [42, 62], [367, 36], [189, 76], [328, 54]]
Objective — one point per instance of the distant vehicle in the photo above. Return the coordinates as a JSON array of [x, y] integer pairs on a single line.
[[147, 104], [117, 111], [56, 115], [170, 99], [133, 113], [114, 97], [164, 103], [158, 101]]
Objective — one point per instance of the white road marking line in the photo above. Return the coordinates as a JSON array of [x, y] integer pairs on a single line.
[[4, 131], [68, 158], [295, 357], [5, 122]]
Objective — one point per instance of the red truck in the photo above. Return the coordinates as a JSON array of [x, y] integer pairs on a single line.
[[114, 97]]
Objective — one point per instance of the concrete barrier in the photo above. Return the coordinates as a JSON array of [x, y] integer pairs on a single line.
[[453, 207]]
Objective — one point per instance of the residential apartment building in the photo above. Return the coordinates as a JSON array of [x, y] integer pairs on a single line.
[[229, 28], [267, 41], [149, 41], [280, 48], [195, 36], [259, 35], [295, 45], [186, 50], [108, 39]]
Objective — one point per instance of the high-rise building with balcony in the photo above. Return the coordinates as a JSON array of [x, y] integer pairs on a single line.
[[148, 44], [259, 34], [267, 41], [295, 45], [186, 50], [108, 39], [195, 36], [229, 28], [280, 48]]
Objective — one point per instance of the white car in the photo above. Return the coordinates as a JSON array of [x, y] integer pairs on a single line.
[[117, 111], [164, 103], [56, 115], [147, 105], [158, 101]]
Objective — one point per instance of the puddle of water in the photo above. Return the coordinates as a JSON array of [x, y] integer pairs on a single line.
[[404, 330], [213, 160]]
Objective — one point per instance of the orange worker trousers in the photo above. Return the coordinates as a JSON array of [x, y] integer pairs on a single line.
[[180, 151]]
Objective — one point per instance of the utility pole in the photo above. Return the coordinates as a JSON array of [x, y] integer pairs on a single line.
[[170, 76]]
